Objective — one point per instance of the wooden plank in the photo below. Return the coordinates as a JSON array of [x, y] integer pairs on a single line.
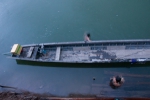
[[30, 52], [35, 52], [57, 53]]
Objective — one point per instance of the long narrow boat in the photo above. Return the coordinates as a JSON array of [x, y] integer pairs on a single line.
[[106, 51]]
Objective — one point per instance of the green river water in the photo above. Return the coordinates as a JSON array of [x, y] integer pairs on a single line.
[[40, 21]]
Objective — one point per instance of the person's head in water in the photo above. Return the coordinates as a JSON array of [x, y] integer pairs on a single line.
[[88, 34], [118, 79], [87, 37]]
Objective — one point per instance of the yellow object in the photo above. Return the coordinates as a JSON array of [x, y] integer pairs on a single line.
[[16, 49], [19, 51]]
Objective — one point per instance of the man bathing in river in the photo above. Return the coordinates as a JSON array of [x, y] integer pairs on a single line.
[[87, 37], [116, 81]]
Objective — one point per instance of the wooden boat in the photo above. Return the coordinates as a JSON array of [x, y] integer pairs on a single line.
[[105, 51]]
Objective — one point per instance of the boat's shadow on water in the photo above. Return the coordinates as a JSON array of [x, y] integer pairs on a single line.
[[82, 65]]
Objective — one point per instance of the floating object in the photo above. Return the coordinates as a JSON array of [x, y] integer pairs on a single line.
[[16, 49], [93, 78], [104, 51]]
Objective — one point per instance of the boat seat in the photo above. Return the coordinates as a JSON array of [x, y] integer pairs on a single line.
[[57, 53], [35, 52], [42, 48], [30, 52]]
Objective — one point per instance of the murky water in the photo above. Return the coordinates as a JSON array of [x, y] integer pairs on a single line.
[[38, 21]]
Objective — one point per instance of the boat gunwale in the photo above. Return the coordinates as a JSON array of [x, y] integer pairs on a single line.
[[91, 42], [82, 44]]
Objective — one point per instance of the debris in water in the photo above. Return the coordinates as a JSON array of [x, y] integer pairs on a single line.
[[93, 78]]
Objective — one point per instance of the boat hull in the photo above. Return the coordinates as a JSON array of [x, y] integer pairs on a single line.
[[107, 51]]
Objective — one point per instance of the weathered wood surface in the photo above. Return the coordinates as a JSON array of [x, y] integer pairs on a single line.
[[57, 53], [30, 52], [104, 51]]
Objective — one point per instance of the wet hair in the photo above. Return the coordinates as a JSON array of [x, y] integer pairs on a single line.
[[118, 79], [88, 34]]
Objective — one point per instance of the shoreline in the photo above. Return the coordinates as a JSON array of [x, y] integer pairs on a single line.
[[33, 96], [12, 93]]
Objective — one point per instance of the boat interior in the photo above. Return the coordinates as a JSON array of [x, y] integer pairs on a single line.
[[86, 52]]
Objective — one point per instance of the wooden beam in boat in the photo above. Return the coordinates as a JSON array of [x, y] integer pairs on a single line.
[[35, 52], [57, 53], [30, 52]]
